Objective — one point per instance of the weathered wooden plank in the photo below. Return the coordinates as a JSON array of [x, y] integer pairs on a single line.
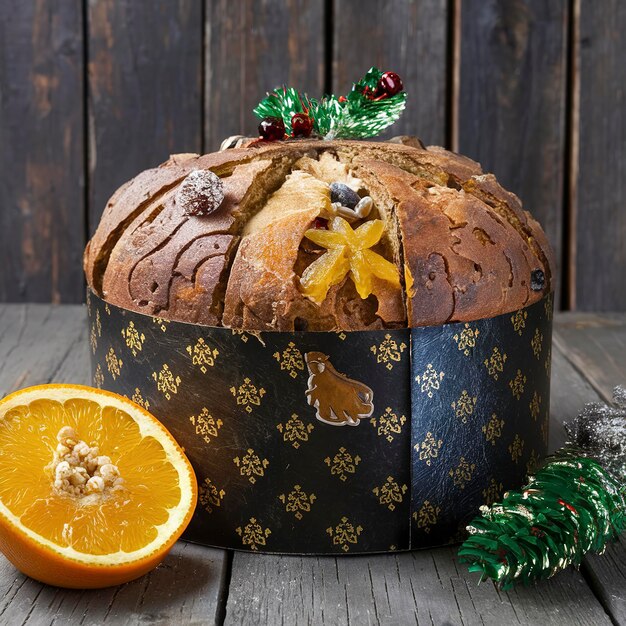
[[424, 587], [407, 37], [253, 47], [145, 89], [41, 151], [428, 586], [39, 344], [511, 109], [599, 241], [184, 589], [34, 341], [594, 344]]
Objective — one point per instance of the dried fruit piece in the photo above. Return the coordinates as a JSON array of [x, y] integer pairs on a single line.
[[201, 193], [348, 251], [346, 196]]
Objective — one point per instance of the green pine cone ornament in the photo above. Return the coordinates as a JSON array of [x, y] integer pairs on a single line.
[[572, 505]]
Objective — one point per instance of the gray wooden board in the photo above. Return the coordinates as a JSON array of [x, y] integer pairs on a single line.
[[145, 89], [40, 344], [407, 37], [599, 240], [511, 110], [251, 48], [41, 151], [596, 346]]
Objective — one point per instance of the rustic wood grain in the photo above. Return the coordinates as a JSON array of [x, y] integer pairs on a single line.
[[594, 346], [252, 47], [511, 110], [145, 86], [600, 237], [423, 587], [407, 37], [41, 151]]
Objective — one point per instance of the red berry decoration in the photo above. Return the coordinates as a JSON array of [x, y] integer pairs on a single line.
[[389, 84], [272, 129], [301, 125]]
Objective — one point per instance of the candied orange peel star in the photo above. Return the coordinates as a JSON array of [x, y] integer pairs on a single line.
[[347, 252]]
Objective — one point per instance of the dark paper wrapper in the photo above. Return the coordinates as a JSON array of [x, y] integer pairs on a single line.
[[338, 442]]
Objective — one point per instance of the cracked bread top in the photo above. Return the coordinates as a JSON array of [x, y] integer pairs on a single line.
[[464, 247]]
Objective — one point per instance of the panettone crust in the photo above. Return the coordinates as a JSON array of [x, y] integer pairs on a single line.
[[464, 246]]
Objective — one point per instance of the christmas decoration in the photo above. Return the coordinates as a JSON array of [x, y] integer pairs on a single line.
[[375, 102], [272, 128], [301, 125], [574, 503]]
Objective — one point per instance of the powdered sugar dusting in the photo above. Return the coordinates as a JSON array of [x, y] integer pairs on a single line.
[[201, 193]]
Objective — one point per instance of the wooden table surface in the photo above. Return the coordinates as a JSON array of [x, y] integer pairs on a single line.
[[198, 585]]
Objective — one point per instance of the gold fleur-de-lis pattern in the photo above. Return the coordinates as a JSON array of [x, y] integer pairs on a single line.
[[428, 449], [133, 338], [446, 432], [345, 533], [516, 448], [389, 424], [205, 425], [536, 343], [430, 380], [138, 398], [248, 395], [114, 363], [518, 319], [342, 464], [492, 492], [295, 431], [390, 493], [253, 535], [466, 339], [202, 355], [462, 473], [535, 405], [251, 465], [493, 429], [426, 516], [495, 363], [517, 384], [388, 351], [167, 382], [291, 360], [210, 496], [98, 377], [464, 406], [297, 501]]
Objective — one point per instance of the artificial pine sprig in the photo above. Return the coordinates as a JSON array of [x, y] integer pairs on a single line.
[[574, 504], [375, 102]]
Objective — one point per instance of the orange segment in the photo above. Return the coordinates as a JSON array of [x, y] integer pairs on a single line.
[[93, 490]]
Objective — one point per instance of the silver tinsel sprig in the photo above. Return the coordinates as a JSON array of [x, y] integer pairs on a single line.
[[600, 431]]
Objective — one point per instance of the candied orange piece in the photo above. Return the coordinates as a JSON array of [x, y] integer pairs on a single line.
[[348, 252]]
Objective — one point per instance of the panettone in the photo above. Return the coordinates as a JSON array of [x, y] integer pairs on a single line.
[[463, 247]]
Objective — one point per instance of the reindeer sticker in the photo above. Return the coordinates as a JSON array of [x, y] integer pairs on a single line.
[[338, 400]]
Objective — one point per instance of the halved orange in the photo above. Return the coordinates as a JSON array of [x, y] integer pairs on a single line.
[[114, 522]]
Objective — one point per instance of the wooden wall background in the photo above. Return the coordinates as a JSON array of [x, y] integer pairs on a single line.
[[93, 91]]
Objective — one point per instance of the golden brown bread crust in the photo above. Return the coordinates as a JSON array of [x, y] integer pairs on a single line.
[[465, 247]]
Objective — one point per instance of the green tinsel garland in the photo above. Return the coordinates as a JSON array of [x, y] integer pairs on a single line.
[[357, 115], [571, 506]]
